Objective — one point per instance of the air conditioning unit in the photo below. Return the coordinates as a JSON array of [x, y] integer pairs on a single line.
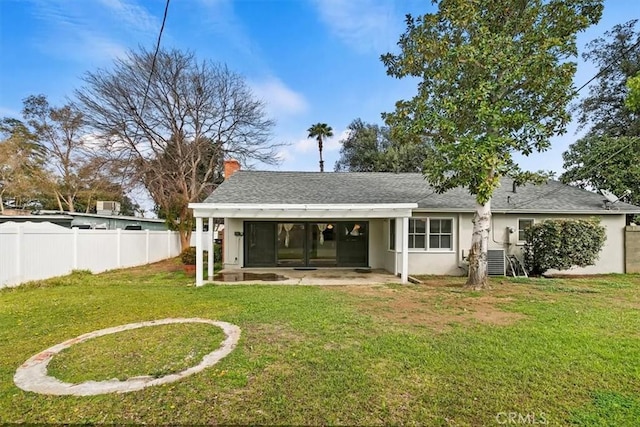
[[107, 207], [497, 265]]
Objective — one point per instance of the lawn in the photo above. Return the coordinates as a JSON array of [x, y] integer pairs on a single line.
[[544, 351]]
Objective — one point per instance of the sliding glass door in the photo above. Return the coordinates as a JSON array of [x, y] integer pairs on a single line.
[[306, 244]]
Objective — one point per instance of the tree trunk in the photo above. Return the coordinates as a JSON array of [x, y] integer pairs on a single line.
[[185, 239], [320, 150], [478, 266]]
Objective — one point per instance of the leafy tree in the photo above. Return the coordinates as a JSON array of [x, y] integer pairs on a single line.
[[611, 163], [633, 97], [22, 161], [608, 156], [170, 120], [60, 131], [371, 148], [562, 244], [604, 109], [320, 131], [496, 78]]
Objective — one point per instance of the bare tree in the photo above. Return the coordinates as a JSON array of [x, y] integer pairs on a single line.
[[174, 119]]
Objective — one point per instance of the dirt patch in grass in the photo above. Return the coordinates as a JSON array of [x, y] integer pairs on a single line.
[[433, 307]]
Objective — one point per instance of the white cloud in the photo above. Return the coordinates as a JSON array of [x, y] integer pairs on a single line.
[[330, 144], [284, 156], [133, 15], [364, 25], [280, 99]]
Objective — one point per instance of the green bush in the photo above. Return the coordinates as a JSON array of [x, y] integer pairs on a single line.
[[188, 256], [562, 244]]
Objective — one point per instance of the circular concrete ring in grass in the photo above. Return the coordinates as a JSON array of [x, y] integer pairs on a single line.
[[32, 374]]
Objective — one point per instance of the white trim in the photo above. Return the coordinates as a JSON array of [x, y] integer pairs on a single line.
[[427, 234], [405, 251], [199, 257], [301, 211], [533, 221]]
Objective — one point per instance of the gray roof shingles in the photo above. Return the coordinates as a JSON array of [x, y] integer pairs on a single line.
[[256, 187]]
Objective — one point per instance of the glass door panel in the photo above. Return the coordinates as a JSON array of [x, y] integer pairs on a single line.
[[291, 244], [322, 244], [353, 244], [260, 250]]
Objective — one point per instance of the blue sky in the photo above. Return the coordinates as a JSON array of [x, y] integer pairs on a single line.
[[310, 60]]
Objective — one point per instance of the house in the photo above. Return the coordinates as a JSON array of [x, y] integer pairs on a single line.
[[395, 222]]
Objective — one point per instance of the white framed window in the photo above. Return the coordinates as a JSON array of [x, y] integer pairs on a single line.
[[523, 224], [431, 234], [392, 234]]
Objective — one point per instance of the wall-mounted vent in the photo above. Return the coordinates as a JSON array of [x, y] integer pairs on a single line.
[[496, 262]]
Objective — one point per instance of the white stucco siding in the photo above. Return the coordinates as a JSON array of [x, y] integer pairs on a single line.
[[233, 252], [377, 243], [611, 258]]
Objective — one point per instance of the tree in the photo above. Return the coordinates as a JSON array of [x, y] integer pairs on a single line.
[[172, 119], [633, 97], [320, 131], [22, 161], [562, 244], [608, 156], [60, 132], [604, 110], [496, 78], [370, 148]]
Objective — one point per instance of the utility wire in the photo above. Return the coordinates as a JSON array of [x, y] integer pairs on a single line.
[[155, 56], [600, 163]]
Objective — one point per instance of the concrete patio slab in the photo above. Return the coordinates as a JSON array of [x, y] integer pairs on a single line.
[[290, 276]]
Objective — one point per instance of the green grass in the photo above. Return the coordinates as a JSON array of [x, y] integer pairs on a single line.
[[154, 351], [420, 354]]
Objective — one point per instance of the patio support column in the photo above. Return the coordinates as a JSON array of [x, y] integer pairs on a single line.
[[210, 251], [199, 258], [405, 251]]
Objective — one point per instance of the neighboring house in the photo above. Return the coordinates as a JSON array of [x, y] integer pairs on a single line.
[[395, 222], [113, 222]]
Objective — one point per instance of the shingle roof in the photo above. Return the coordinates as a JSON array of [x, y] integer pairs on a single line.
[[254, 187]]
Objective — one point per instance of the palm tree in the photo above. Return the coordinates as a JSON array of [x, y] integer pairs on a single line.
[[319, 131]]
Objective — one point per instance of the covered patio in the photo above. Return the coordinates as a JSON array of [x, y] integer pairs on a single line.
[[315, 277], [237, 214]]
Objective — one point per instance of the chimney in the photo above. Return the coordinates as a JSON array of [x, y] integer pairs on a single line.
[[230, 167]]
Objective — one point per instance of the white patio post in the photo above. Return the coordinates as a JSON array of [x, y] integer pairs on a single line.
[[210, 251], [199, 260], [405, 251], [397, 233]]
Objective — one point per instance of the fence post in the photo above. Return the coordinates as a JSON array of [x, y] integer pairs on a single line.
[[19, 253], [168, 243], [118, 247], [75, 248]]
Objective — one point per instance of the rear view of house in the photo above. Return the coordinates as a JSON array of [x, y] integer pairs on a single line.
[[395, 222]]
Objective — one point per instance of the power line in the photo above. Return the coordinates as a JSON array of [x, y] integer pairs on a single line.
[[155, 56], [598, 74]]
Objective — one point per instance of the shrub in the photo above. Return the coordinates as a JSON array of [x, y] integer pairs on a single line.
[[562, 244], [188, 256]]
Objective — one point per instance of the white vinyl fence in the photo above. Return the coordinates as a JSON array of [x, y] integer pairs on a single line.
[[32, 251]]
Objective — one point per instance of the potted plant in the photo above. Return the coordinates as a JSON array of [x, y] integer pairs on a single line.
[[188, 258]]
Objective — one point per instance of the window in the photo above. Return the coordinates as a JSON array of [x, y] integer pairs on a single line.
[[392, 234], [523, 224], [431, 233]]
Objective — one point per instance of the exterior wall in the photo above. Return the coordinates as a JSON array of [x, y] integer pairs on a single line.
[[632, 249], [612, 257], [233, 245], [115, 222]]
